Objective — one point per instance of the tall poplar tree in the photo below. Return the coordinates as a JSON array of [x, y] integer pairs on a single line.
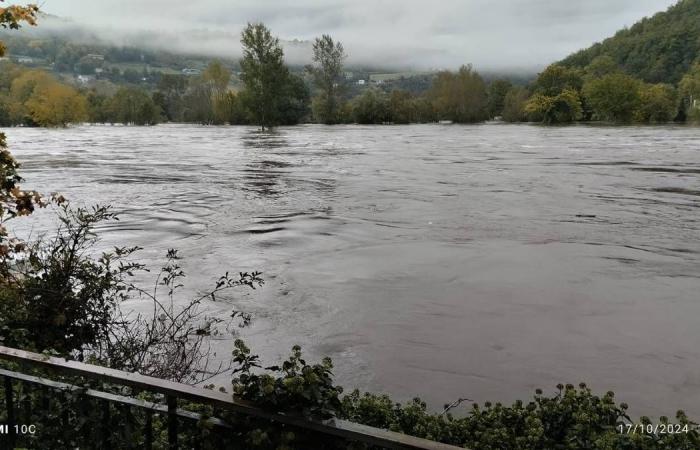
[[327, 72], [264, 75]]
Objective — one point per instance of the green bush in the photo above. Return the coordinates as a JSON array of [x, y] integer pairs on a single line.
[[571, 418]]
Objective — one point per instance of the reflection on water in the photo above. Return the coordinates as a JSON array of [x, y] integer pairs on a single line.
[[478, 261]]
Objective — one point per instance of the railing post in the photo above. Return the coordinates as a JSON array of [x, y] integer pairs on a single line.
[[149, 430], [106, 428], [27, 402], [10, 406], [172, 422]]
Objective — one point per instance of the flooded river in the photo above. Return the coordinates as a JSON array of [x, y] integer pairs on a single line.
[[440, 261]]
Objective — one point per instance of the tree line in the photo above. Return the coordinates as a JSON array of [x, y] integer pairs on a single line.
[[602, 91], [273, 95]]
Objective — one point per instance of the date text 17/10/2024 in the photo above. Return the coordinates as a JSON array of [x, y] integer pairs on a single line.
[[17, 429], [655, 429]]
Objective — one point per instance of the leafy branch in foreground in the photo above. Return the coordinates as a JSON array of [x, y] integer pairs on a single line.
[[171, 342], [12, 17], [56, 296]]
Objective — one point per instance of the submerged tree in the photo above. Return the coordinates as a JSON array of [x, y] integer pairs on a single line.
[[171, 88], [557, 96], [264, 74], [690, 91], [514, 105], [327, 71], [460, 97], [614, 97], [563, 108], [658, 104], [498, 89], [132, 106]]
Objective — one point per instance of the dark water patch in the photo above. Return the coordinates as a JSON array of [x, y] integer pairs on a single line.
[[151, 179], [285, 216], [265, 230], [666, 170], [675, 190], [273, 164], [601, 163], [622, 260]]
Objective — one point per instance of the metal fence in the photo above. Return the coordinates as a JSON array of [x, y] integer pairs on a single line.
[[157, 401]]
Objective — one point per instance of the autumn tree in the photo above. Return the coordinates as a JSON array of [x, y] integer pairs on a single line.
[[13, 200], [13, 16], [218, 78], [229, 109], [56, 105], [327, 72], [206, 97]]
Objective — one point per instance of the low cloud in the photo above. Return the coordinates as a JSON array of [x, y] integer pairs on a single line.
[[491, 34]]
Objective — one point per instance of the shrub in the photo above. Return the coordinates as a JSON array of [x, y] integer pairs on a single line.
[[614, 97], [658, 104], [572, 418], [563, 108]]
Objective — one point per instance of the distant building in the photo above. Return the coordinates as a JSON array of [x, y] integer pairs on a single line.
[[85, 79], [361, 82], [95, 57], [99, 70], [190, 72], [25, 59], [349, 75]]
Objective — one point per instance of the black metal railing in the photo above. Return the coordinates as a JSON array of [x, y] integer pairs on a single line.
[[113, 409]]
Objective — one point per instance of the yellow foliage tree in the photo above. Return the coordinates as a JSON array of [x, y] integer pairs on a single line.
[[57, 105], [38, 98], [13, 200], [12, 17]]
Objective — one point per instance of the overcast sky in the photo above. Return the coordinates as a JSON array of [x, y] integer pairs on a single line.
[[491, 34]]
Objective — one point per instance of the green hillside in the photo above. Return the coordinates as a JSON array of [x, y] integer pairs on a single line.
[[658, 49]]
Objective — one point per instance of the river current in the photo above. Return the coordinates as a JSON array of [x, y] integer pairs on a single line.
[[440, 261]]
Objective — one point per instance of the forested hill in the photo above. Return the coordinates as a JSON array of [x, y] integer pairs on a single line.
[[658, 49]]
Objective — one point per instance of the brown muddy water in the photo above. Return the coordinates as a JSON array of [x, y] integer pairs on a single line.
[[440, 261]]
